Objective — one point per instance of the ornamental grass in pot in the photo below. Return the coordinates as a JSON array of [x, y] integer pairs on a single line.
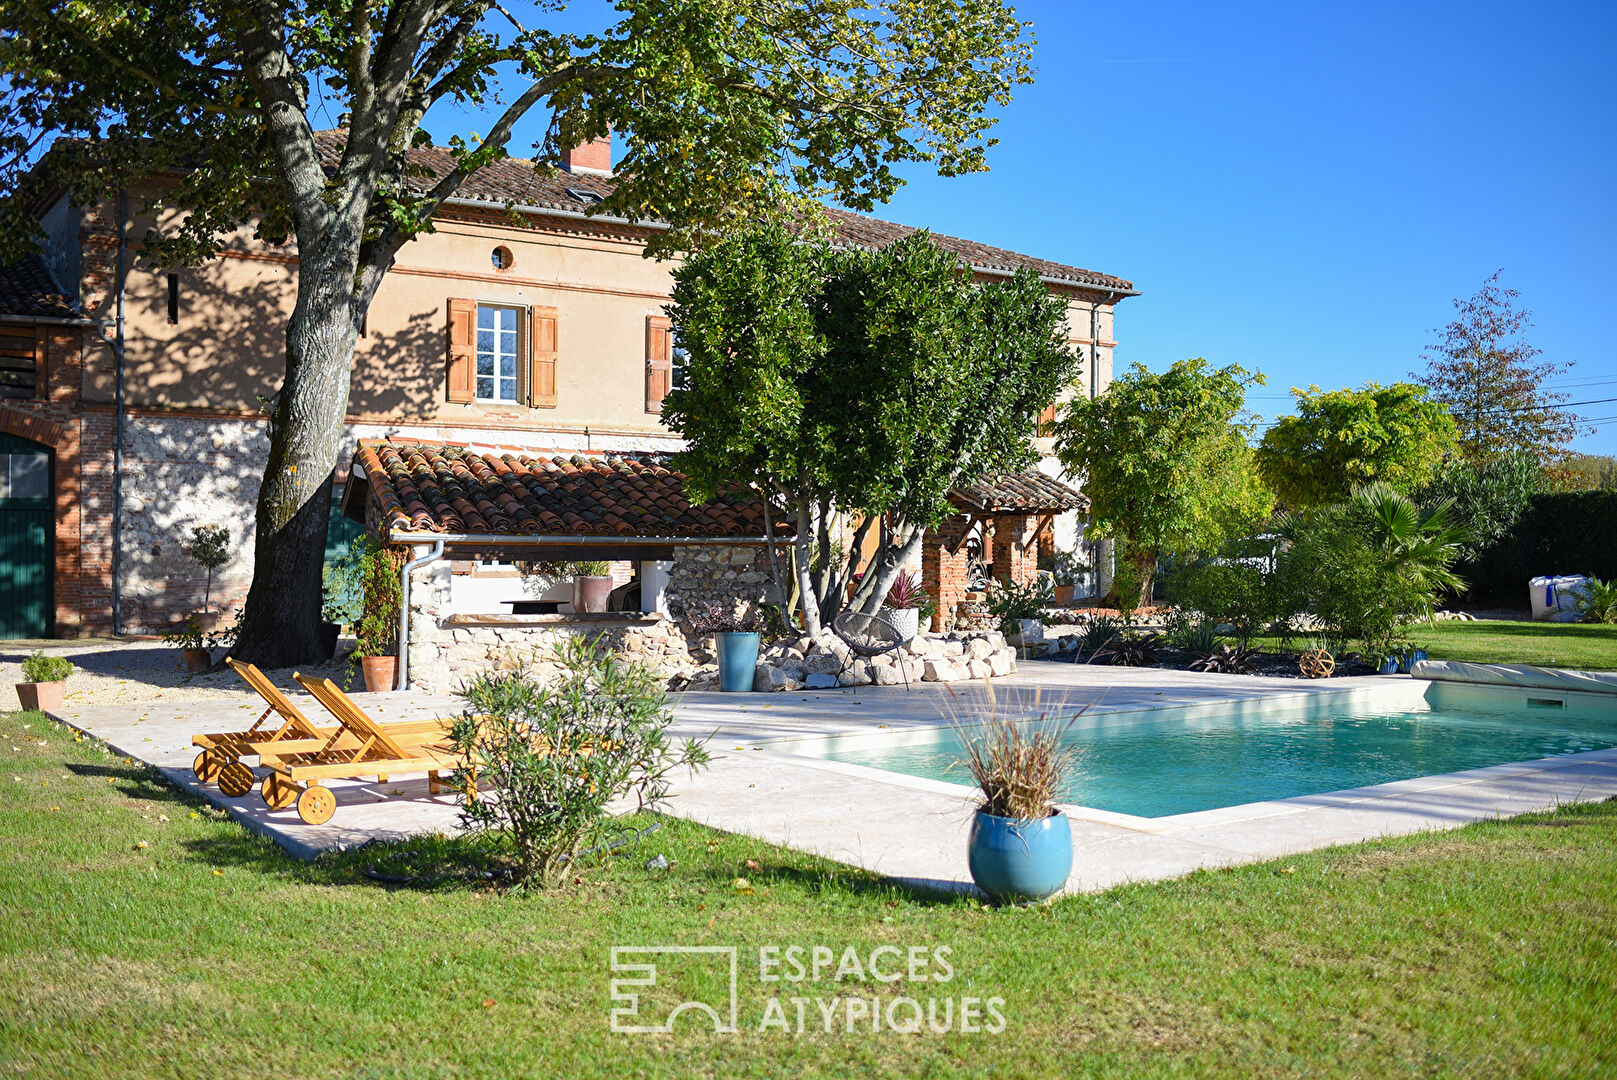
[[44, 682], [1020, 846]]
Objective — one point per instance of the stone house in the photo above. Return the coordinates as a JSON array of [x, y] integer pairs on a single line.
[[520, 322]]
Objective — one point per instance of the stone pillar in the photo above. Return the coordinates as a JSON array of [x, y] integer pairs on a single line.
[[944, 575], [429, 601]]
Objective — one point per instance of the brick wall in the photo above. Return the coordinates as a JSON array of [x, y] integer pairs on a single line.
[[1016, 557], [944, 575]]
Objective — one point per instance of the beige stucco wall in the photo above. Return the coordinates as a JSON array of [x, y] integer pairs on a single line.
[[226, 353]]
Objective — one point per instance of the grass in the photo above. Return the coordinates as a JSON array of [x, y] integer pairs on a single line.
[[1487, 951], [1586, 646]]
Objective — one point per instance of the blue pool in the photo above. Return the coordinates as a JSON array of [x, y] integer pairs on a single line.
[[1156, 763]]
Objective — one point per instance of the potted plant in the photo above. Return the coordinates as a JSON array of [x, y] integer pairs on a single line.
[[210, 549], [45, 680], [1067, 573], [376, 633], [1018, 608], [737, 638], [906, 605], [592, 586], [1020, 846], [189, 638]]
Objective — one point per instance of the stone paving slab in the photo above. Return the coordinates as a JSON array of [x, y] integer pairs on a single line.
[[909, 828]]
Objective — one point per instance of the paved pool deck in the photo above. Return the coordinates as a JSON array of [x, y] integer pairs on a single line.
[[908, 828]]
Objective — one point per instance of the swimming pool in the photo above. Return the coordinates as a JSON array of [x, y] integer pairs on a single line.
[[1155, 763]]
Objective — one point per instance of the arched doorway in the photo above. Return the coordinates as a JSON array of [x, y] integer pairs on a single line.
[[27, 539]]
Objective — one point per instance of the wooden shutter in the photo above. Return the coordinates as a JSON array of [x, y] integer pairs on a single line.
[[659, 361], [1047, 421], [462, 351], [542, 357]]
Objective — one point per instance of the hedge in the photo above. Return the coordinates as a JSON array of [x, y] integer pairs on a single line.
[[1573, 532]]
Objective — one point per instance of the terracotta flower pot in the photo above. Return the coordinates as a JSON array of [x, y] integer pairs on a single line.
[[197, 660], [591, 593], [1064, 595], [41, 696], [381, 672]]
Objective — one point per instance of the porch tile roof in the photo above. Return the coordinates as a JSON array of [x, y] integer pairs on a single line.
[[430, 488], [27, 290], [1026, 492]]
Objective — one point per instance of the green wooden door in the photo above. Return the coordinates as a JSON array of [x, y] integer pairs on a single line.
[[27, 540]]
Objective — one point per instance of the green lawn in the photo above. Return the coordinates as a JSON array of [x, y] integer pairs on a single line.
[[1588, 646], [1488, 951]]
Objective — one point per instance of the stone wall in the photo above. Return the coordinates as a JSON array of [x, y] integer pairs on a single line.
[[828, 662], [725, 574]]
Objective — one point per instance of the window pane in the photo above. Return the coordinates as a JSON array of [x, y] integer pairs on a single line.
[[508, 342], [30, 476], [485, 341], [508, 366], [485, 364], [508, 389], [485, 318], [508, 319], [485, 388]]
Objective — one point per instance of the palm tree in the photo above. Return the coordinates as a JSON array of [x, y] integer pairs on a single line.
[[1420, 545]]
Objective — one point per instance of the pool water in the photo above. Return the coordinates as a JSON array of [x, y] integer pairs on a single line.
[[1153, 764]]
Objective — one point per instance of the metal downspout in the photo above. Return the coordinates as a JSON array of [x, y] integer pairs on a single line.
[[437, 552]]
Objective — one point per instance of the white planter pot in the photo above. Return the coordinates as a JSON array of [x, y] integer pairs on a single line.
[[1028, 631], [907, 621]]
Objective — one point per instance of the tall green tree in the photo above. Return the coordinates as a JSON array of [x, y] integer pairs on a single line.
[[837, 381], [1165, 464], [728, 109], [1488, 374], [1342, 439]]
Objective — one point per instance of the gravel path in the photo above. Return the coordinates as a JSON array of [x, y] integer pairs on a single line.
[[144, 671]]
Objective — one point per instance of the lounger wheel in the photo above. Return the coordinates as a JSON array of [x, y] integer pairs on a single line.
[[316, 805], [235, 779], [207, 765], [278, 791]]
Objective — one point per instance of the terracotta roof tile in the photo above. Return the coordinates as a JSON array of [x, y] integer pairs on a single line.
[[28, 290], [423, 487], [1027, 492]]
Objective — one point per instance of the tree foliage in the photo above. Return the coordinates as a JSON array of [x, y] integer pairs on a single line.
[[1484, 369], [726, 110], [1165, 464], [1342, 439], [869, 383]]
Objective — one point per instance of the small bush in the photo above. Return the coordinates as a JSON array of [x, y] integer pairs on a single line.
[[1190, 633], [1098, 633], [1131, 649], [377, 632], [558, 754], [1010, 602], [1235, 593], [42, 668], [1597, 602]]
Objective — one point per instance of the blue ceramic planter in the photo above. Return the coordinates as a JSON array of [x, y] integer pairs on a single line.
[[1389, 666], [738, 661], [1019, 860], [1410, 659]]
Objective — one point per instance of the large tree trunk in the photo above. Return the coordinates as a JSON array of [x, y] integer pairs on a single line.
[[281, 622], [1145, 569]]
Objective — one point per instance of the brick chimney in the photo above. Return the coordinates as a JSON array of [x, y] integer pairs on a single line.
[[594, 156]]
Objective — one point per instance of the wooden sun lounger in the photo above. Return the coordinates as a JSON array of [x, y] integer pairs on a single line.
[[362, 748], [220, 758]]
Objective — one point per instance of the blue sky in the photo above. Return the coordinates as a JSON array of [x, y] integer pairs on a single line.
[[1304, 188]]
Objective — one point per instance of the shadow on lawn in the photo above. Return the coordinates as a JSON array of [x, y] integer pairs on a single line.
[[1586, 631]]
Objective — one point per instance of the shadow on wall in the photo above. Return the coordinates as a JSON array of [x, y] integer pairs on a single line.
[[225, 358]]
